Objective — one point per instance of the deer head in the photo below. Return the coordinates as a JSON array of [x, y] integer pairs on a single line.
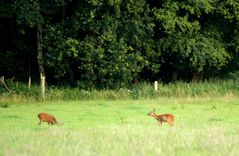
[[152, 113]]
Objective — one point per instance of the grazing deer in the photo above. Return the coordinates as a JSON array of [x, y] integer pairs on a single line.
[[169, 118], [44, 117]]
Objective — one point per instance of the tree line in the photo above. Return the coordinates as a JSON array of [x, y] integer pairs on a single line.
[[114, 43]]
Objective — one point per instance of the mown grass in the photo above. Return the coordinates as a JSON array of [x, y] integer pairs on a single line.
[[204, 126]]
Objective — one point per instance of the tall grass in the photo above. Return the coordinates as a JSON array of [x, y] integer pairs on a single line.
[[213, 88]]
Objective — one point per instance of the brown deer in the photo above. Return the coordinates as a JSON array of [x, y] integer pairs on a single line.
[[169, 118], [44, 117]]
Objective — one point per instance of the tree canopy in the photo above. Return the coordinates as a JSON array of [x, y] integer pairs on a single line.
[[114, 43]]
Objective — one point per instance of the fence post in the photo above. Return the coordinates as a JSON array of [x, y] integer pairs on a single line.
[[29, 82], [2, 79], [43, 82], [156, 85]]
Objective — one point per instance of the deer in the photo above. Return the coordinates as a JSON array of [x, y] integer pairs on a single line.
[[169, 118], [44, 117]]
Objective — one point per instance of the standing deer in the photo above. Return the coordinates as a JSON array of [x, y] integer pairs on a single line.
[[44, 117], [169, 118]]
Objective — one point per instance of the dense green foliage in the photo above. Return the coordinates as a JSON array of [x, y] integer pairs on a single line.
[[113, 43]]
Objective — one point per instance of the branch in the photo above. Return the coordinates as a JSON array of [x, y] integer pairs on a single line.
[[1, 80]]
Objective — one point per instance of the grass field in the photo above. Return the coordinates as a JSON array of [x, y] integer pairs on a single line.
[[203, 126]]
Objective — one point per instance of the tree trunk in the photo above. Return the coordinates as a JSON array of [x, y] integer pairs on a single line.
[[174, 77], [197, 77], [41, 62]]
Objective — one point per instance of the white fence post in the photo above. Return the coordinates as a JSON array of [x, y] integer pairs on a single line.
[[156, 85], [43, 84], [29, 82]]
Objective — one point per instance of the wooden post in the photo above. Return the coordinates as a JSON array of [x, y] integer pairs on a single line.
[[12, 80], [2, 79], [29, 82], [156, 85], [43, 82]]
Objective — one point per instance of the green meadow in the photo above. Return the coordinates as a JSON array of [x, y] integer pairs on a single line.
[[203, 126]]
